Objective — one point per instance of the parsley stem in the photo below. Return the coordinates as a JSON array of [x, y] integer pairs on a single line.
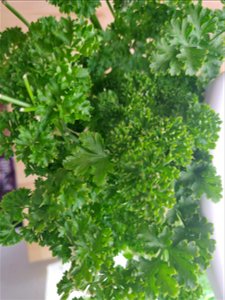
[[74, 132], [17, 223], [95, 22], [28, 109], [110, 7], [28, 87], [218, 34], [75, 136], [44, 122], [16, 13], [14, 101]]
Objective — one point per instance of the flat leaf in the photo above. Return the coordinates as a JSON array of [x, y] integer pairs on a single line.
[[80, 7], [90, 158], [160, 278], [14, 202], [182, 258], [8, 234]]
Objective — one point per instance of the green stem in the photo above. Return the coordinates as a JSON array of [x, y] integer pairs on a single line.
[[110, 8], [76, 140], [16, 13], [95, 22], [74, 132], [17, 223], [45, 122], [28, 87], [28, 109], [75, 137], [14, 101], [218, 34]]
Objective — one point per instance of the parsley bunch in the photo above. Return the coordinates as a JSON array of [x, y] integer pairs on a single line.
[[114, 125]]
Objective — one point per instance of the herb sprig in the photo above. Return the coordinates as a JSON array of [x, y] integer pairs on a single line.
[[114, 126]]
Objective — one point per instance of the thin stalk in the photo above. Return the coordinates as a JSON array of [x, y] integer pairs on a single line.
[[28, 109], [218, 34], [17, 223], [76, 140], [44, 123], [95, 22], [72, 131], [110, 8], [74, 136], [28, 87], [16, 13], [14, 101]]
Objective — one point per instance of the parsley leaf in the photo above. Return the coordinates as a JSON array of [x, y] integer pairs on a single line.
[[90, 157]]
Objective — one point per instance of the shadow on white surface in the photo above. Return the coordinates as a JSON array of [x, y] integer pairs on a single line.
[[19, 279]]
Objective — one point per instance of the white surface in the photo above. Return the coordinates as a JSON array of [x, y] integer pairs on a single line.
[[19, 279], [54, 275], [215, 96], [120, 260]]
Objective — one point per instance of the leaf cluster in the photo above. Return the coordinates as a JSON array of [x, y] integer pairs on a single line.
[[116, 131], [80, 7], [52, 61], [187, 42]]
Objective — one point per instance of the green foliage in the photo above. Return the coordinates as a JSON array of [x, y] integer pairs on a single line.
[[11, 213], [36, 146], [187, 43], [120, 4], [120, 150], [179, 3], [125, 40], [204, 125], [52, 57], [80, 7], [9, 40], [89, 155], [7, 132], [14, 202], [208, 292], [201, 179]]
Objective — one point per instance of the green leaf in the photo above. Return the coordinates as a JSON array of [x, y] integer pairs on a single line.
[[165, 58], [200, 231], [186, 43], [182, 258], [153, 239], [90, 157], [192, 59], [166, 281], [80, 7], [8, 234], [98, 105], [14, 202], [36, 145], [10, 39], [204, 124], [160, 278], [202, 178]]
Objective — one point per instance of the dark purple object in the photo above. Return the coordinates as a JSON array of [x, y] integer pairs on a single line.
[[7, 176]]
